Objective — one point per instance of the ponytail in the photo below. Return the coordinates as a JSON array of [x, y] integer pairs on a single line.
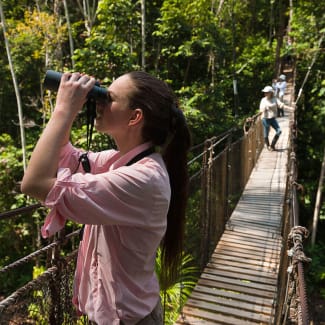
[[165, 126], [175, 157]]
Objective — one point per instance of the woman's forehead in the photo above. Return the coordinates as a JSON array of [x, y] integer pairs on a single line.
[[122, 86]]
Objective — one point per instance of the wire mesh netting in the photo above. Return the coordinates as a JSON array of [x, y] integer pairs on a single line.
[[44, 300], [219, 171]]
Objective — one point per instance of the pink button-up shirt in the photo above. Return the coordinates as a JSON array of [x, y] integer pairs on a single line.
[[125, 212]]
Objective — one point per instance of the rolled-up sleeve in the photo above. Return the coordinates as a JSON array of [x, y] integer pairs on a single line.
[[99, 161], [130, 196], [69, 156]]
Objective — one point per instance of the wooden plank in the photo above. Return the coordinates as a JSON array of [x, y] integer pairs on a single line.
[[258, 220], [272, 187], [258, 227], [192, 314], [252, 307], [233, 269], [190, 320], [252, 237], [251, 240], [234, 254], [244, 261], [259, 251], [235, 296], [265, 214], [269, 246], [230, 262], [229, 247], [259, 215], [277, 182], [260, 197], [235, 288], [276, 217], [226, 242], [275, 232], [240, 276], [265, 222], [251, 212], [258, 233], [250, 256], [238, 282], [256, 195], [242, 314], [260, 203]]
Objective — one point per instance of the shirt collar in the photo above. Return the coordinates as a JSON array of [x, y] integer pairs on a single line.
[[122, 161]]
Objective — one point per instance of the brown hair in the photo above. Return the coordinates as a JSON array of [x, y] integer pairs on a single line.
[[165, 126]]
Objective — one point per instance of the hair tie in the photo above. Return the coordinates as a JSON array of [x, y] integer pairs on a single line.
[[173, 119], [174, 109], [177, 116], [177, 121]]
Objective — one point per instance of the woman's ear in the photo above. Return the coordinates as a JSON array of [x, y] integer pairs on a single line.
[[136, 117]]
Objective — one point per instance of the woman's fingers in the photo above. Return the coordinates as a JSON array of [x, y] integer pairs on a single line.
[[73, 92]]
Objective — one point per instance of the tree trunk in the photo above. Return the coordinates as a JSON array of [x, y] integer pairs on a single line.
[[69, 31], [279, 37], [318, 202], [220, 7], [234, 60], [17, 92], [143, 35]]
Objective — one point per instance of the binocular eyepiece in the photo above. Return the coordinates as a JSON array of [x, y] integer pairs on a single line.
[[52, 82]]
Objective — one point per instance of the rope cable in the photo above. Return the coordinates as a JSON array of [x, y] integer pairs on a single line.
[[310, 67], [27, 258]]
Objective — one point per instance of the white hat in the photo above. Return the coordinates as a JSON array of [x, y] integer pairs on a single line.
[[283, 77], [267, 89]]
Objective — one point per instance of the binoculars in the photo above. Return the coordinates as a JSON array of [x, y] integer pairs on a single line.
[[52, 82]]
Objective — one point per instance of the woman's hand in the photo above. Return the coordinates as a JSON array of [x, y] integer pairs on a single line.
[[40, 175], [72, 93]]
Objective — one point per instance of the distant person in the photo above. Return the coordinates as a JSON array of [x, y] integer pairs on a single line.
[[274, 86], [132, 201], [281, 86], [268, 108], [288, 52]]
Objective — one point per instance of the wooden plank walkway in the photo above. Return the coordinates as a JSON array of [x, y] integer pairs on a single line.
[[239, 284]]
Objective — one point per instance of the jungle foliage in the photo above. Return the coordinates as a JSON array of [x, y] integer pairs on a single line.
[[199, 47]]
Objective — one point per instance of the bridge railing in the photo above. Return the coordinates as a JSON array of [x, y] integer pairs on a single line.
[[220, 168], [226, 167], [292, 305], [47, 298]]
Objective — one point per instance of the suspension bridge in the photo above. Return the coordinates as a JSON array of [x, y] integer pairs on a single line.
[[247, 220], [239, 284]]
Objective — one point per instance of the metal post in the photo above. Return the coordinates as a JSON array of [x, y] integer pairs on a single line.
[[228, 179], [204, 206]]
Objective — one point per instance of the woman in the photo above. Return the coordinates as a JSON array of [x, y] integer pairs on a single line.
[[281, 86], [268, 107], [133, 199]]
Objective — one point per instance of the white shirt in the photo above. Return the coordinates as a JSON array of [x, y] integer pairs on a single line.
[[268, 107], [281, 88]]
